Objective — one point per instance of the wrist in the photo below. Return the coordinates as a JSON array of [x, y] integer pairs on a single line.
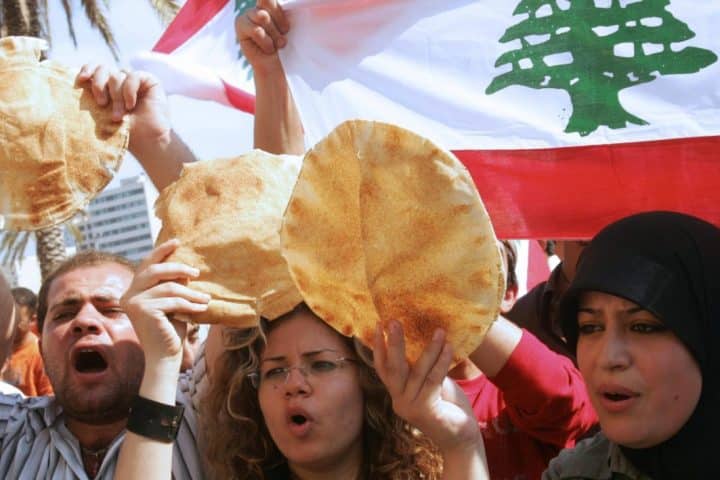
[[143, 143], [159, 382], [465, 442], [154, 420], [269, 70]]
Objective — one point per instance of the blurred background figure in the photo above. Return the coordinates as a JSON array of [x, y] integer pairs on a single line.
[[191, 346], [536, 310], [24, 369], [7, 315]]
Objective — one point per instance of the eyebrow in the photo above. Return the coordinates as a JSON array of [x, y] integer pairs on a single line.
[[631, 310], [75, 300], [312, 353]]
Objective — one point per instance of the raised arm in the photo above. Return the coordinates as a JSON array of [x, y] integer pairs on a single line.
[[155, 293], [544, 391], [261, 33], [152, 141], [426, 398]]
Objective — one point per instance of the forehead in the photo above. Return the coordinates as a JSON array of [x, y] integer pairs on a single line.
[[300, 333], [106, 279], [605, 300]]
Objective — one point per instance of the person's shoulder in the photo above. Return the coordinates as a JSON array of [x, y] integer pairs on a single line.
[[8, 389], [526, 309], [14, 401], [587, 460], [18, 412]]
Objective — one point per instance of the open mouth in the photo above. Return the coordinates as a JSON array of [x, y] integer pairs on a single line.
[[616, 397], [89, 361], [298, 419]]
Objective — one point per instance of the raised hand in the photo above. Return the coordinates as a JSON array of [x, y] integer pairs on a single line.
[[139, 94], [422, 394], [156, 293], [131, 92], [261, 31]]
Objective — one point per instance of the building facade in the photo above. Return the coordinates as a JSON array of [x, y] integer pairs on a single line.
[[120, 220]]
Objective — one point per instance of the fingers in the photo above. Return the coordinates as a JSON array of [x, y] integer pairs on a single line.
[[427, 371], [130, 89], [114, 87], [109, 87], [160, 253], [277, 14], [389, 358], [169, 305], [175, 290], [157, 278], [265, 26]]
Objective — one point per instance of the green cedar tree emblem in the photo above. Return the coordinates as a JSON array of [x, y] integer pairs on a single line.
[[241, 6], [571, 45]]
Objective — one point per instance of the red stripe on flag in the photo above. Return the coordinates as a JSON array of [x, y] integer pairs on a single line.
[[240, 99], [188, 21], [572, 192]]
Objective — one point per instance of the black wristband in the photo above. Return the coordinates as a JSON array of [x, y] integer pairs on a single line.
[[154, 420]]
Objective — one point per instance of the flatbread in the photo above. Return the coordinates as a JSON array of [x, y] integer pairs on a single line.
[[383, 224], [227, 214], [58, 148]]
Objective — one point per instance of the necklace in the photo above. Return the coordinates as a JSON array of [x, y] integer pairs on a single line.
[[92, 459]]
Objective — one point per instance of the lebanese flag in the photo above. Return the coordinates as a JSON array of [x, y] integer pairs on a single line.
[[197, 56], [568, 114]]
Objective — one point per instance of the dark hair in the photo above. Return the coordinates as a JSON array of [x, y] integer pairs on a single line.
[[511, 256], [25, 297], [550, 247], [88, 258]]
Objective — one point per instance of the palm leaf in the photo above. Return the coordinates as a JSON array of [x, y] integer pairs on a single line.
[[166, 9], [13, 246], [14, 21], [68, 16], [74, 229], [98, 20]]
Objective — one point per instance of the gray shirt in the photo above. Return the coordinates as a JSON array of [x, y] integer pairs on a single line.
[[36, 444], [595, 458]]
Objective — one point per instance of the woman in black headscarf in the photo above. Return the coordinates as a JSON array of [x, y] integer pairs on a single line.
[[643, 313]]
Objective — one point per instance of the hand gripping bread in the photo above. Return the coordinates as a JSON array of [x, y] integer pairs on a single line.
[[227, 215]]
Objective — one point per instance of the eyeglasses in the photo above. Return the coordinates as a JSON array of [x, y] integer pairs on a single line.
[[315, 369]]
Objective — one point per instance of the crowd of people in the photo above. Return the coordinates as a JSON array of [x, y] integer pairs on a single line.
[[605, 371]]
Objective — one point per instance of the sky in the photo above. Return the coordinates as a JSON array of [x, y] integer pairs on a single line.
[[211, 130]]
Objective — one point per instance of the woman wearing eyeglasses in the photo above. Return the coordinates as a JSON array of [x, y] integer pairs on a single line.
[[293, 399], [301, 400]]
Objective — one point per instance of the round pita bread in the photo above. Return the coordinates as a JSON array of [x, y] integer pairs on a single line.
[[227, 214], [383, 224], [58, 148]]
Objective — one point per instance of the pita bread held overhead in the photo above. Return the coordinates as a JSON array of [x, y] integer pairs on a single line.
[[383, 224], [227, 214], [58, 148]]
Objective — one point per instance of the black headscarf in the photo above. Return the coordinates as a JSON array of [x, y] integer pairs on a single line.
[[669, 264]]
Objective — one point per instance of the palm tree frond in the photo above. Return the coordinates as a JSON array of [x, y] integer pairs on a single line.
[[15, 20], [68, 16], [74, 230], [98, 20], [13, 246], [166, 9]]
